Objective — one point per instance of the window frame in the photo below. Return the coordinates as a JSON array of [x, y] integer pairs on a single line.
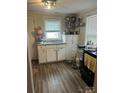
[[88, 35], [53, 18]]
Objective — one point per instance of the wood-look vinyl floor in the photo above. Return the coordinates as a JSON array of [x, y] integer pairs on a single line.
[[57, 78]]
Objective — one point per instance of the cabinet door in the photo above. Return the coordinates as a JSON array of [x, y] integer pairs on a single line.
[[69, 39], [75, 39], [68, 52], [51, 54], [61, 54], [74, 50], [72, 39], [42, 54]]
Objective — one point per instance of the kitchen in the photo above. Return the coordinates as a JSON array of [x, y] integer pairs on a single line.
[[63, 42]]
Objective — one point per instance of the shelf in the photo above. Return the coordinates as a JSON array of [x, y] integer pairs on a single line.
[[72, 22]]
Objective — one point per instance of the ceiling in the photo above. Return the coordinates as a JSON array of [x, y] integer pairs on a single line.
[[63, 6]]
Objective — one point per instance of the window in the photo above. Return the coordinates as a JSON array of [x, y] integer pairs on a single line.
[[53, 29], [91, 29]]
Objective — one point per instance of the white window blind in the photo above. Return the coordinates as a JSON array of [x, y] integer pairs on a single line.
[[53, 29], [52, 25]]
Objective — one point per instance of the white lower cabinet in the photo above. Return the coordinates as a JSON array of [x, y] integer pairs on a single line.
[[51, 53], [42, 54], [61, 54]]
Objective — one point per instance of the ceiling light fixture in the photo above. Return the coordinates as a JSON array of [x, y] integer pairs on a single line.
[[49, 4]]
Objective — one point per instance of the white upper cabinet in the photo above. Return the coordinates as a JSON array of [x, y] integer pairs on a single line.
[[75, 39], [72, 39], [71, 47], [69, 39]]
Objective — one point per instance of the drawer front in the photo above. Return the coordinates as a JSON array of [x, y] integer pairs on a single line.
[[41, 47], [60, 46], [51, 46]]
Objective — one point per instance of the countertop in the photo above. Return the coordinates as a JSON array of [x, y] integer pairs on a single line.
[[93, 53], [50, 43]]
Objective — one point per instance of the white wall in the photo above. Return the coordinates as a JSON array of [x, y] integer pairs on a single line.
[[38, 21], [30, 28], [30, 82]]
